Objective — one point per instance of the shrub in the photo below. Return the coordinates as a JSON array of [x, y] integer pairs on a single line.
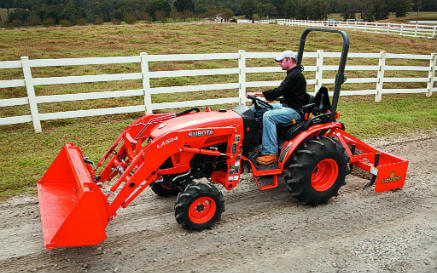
[[98, 21], [129, 18], [160, 16], [49, 22], [17, 23], [146, 17], [115, 21], [65, 23], [33, 20], [81, 22]]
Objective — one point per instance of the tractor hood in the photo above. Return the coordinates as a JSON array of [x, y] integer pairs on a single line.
[[199, 120]]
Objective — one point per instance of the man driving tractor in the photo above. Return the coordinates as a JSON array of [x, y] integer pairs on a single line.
[[292, 95]]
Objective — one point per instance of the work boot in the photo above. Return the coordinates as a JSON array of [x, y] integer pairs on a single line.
[[267, 159]]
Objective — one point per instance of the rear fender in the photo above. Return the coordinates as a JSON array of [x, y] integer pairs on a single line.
[[289, 147]]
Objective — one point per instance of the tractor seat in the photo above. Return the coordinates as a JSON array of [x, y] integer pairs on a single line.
[[305, 109], [316, 105]]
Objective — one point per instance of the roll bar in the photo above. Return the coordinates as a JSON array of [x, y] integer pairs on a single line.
[[339, 78]]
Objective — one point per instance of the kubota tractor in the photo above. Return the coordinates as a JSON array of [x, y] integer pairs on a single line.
[[168, 152]]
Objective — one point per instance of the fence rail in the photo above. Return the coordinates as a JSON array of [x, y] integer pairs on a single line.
[[412, 30], [33, 100]]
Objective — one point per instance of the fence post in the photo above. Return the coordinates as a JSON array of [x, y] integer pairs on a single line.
[[31, 93], [415, 32], [388, 27], [431, 74], [402, 30], [365, 26], [380, 81], [319, 70], [242, 76], [434, 31], [146, 82]]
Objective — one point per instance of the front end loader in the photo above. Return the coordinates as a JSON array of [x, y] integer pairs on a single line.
[[168, 152]]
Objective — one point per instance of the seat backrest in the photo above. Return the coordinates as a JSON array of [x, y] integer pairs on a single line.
[[308, 98], [321, 100]]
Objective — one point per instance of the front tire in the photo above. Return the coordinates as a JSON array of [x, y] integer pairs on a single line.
[[200, 206], [163, 189], [317, 170]]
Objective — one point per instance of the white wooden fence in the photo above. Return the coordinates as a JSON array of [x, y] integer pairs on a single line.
[[412, 30], [33, 100]]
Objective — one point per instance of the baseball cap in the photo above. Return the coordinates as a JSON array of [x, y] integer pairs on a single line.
[[285, 54]]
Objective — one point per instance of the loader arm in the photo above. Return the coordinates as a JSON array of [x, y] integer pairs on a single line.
[[137, 173]]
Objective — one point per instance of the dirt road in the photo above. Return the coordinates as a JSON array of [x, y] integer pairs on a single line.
[[260, 231]]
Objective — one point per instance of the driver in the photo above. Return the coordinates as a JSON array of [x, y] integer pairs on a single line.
[[293, 96]]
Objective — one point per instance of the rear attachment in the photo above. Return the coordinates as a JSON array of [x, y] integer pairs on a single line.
[[389, 171]]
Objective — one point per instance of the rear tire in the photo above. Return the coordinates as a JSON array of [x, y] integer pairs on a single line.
[[200, 206], [317, 170]]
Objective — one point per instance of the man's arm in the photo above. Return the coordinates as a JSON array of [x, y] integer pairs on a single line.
[[277, 92]]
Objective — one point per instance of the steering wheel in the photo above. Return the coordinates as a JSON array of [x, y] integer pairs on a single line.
[[259, 103]]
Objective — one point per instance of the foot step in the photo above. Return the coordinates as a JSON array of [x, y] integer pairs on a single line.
[[260, 167]]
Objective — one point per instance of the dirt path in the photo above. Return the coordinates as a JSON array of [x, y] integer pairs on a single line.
[[267, 231]]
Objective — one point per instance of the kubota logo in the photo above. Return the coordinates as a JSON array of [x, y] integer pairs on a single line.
[[201, 133], [391, 178]]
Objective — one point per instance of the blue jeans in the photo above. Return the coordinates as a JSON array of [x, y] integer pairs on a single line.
[[278, 115]]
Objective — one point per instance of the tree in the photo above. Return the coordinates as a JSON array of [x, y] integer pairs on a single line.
[[319, 10], [160, 16], [375, 10], [348, 8], [381, 9], [182, 5], [200, 7], [248, 8], [227, 14], [161, 6], [129, 18], [187, 14], [302, 10], [401, 7], [290, 9], [266, 10], [18, 15]]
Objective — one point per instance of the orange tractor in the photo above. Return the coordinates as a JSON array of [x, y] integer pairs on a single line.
[[168, 152]]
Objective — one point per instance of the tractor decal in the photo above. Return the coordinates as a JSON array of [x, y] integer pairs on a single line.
[[201, 133], [391, 178], [165, 142]]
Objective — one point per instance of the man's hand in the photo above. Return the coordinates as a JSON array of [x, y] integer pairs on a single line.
[[256, 94]]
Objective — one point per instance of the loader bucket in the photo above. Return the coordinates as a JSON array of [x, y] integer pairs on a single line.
[[73, 209]]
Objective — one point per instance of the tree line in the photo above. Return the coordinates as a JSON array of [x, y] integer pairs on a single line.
[[81, 12]]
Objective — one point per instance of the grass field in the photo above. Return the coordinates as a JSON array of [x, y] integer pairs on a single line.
[[412, 15], [29, 154]]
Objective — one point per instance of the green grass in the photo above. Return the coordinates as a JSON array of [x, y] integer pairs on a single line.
[[27, 155], [412, 15]]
